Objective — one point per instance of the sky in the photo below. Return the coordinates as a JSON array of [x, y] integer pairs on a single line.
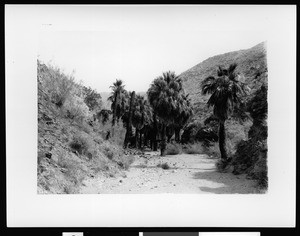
[[137, 44]]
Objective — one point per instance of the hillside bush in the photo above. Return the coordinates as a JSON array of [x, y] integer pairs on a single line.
[[55, 83], [81, 143], [76, 109], [212, 149], [206, 133], [173, 149], [127, 161], [251, 155], [189, 132], [194, 148], [92, 99]]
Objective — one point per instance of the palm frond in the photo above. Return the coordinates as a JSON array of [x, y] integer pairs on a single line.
[[231, 68], [208, 85]]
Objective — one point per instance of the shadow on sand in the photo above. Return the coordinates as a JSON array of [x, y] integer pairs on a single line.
[[141, 166], [231, 184]]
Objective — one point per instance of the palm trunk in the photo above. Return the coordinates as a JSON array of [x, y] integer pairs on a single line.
[[163, 142], [129, 122], [136, 138], [177, 135], [222, 144], [114, 114], [140, 143], [154, 136], [146, 138]]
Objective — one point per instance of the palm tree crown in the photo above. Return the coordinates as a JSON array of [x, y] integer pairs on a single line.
[[225, 91], [118, 98], [163, 95]]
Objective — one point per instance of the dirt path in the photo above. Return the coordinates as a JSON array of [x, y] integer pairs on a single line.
[[188, 173]]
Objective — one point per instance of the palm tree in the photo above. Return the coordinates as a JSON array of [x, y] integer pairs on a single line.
[[184, 114], [163, 96], [128, 120], [226, 92], [118, 98]]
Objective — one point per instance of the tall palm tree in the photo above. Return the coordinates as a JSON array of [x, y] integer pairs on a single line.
[[226, 92], [128, 119], [163, 96], [185, 112], [139, 118], [118, 99]]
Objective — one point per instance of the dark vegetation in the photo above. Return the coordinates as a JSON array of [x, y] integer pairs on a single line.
[[245, 112], [224, 117]]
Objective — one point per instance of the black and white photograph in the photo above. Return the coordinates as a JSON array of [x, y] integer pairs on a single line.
[[189, 109], [152, 112]]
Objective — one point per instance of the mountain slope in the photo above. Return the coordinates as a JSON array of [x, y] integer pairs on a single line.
[[71, 145], [252, 65]]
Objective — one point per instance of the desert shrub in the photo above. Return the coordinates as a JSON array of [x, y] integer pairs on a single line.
[[100, 164], [165, 166], [222, 165], [259, 171], [211, 149], [83, 126], [73, 170], [248, 156], [206, 134], [173, 149], [56, 84], [107, 150], [81, 143], [251, 155], [76, 108], [189, 132], [111, 151], [194, 148], [127, 161], [91, 98], [103, 115], [118, 134]]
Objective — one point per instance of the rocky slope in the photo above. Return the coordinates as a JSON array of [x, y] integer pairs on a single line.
[[252, 65], [70, 150]]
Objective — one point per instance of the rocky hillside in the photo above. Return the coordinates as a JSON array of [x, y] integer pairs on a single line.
[[71, 144], [252, 65]]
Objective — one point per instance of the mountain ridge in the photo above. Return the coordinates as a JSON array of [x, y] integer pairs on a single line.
[[251, 65]]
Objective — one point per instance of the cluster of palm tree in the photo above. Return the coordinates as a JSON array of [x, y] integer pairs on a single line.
[[166, 109], [171, 107], [154, 118]]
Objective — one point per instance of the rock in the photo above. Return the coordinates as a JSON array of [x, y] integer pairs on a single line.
[[121, 181], [48, 155]]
